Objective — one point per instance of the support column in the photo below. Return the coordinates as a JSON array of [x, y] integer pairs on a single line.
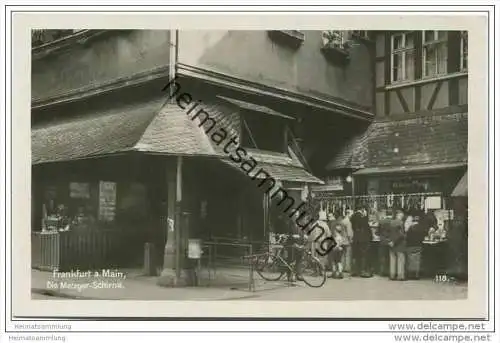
[[173, 274]]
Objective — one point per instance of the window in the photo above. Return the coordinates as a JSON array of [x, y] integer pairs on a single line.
[[291, 38], [402, 57], [65, 205], [464, 46], [42, 36], [263, 132], [435, 53]]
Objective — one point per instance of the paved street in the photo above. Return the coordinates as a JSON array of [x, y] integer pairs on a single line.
[[145, 288], [376, 288]]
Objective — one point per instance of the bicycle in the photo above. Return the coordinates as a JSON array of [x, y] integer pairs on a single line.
[[271, 266]]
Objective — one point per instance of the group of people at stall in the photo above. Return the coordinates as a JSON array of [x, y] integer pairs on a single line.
[[400, 237]]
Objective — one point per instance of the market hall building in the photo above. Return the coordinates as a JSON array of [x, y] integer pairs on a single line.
[[118, 163]]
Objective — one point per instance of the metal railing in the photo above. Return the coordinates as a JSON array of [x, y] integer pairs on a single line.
[[90, 250], [226, 264], [228, 261]]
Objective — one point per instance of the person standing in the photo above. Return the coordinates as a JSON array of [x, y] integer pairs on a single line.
[[361, 243], [414, 239], [319, 232], [339, 250], [348, 234], [383, 256], [396, 244]]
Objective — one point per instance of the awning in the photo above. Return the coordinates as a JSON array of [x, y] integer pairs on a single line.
[[408, 168], [146, 127], [152, 127], [461, 189], [278, 172]]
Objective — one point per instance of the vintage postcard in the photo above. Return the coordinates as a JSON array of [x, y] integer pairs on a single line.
[[280, 166]]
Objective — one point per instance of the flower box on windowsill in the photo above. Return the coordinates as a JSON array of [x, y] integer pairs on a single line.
[[338, 53], [292, 38]]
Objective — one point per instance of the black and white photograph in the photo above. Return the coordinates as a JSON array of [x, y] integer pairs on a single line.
[[217, 171], [249, 165]]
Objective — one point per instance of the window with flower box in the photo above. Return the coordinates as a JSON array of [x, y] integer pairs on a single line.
[[291, 38], [335, 38], [336, 45]]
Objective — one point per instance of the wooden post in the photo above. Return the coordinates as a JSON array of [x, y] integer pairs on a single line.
[[178, 217], [265, 206], [172, 275], [353, 194]]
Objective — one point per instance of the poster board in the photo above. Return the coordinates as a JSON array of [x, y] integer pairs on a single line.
[[107, 200], [433, 203], [194, 248]]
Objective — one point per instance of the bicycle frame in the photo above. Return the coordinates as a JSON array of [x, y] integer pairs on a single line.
[[289, 266]]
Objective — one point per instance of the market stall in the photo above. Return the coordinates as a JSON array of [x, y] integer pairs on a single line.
[[417, 205]]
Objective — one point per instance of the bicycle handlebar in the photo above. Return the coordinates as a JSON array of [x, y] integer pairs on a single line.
[[283, 238]]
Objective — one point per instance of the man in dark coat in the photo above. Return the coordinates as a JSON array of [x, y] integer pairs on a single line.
[[361, 243]]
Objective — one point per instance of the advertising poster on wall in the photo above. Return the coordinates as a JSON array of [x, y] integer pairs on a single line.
[[107, 200]]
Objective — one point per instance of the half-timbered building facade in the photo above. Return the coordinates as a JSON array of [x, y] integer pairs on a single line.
[[418, 139]]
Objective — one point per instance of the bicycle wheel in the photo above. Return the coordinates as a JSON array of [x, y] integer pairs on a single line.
[[269, 267], [312, 271]]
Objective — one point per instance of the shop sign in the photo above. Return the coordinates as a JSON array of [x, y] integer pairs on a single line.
[[335, 183], [79, 190], [194, 248], [410, 185]]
